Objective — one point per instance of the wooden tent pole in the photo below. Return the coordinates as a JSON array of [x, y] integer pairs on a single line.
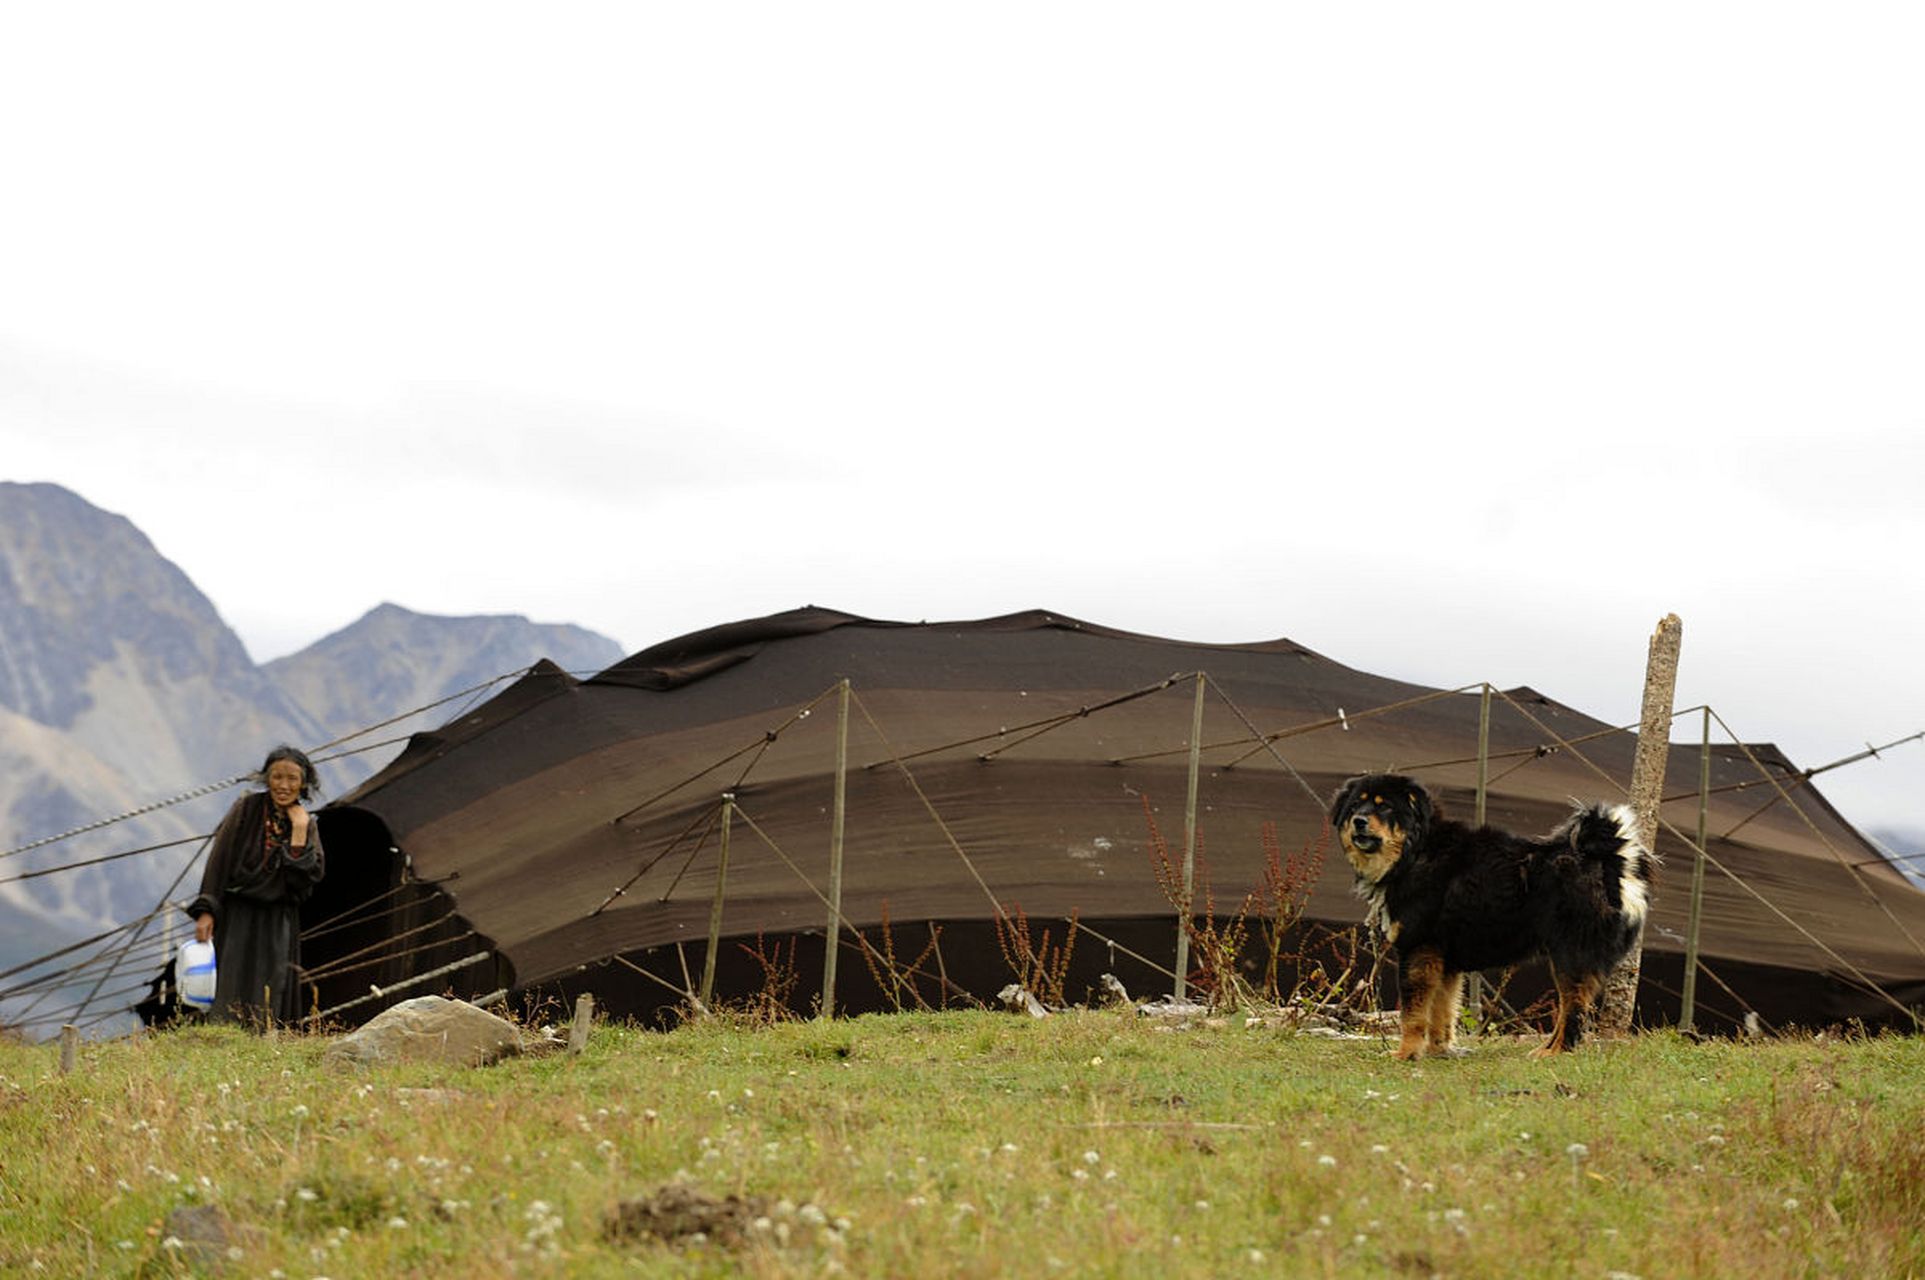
[[1189, 845], [1687, 1012], [1647, 790], [835, 852], [715, 911]]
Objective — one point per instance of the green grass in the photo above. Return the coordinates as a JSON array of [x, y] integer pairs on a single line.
[[978, 1144]]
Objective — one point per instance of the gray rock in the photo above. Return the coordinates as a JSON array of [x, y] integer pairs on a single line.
[[208, 1238], [430, 1029], [1018, 999]]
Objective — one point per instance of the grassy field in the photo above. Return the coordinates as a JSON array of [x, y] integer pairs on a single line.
[[970, 1144]]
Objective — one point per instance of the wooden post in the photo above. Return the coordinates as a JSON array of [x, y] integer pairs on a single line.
[[584, 1018], [1483, 791], [1688, 1010], [1647, 790], [1189, 845], [715, 911], [834, 937], [69, 1045]]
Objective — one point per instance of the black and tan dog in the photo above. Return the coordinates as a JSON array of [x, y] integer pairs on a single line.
[[1454, 898]]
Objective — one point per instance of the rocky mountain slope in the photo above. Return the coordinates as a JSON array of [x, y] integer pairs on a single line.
[[121, 686]]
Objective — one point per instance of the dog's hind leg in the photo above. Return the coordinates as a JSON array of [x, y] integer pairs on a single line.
[[1574, 997], [1446, 1003], [1423, 976]]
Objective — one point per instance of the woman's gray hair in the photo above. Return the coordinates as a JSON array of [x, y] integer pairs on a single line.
[[310, 780]]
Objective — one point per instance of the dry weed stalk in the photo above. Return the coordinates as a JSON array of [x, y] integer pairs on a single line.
[[1039, 969], [770, 1004], [1216, 948], [892, 977]]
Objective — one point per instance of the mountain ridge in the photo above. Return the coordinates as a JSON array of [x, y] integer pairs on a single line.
[[121, 686]]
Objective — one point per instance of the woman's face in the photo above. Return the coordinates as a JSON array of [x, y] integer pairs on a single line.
[[284, 779]]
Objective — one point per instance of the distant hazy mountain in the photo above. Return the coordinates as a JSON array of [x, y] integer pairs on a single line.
[[1907, 846], [394, 660], [121, 686], [106, 641]]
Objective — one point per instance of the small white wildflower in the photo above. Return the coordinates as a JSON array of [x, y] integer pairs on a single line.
[[1081, 1175], [1791, 1204], [1203, 1206], [172, 1243], [1008, 1148], [1090, 1157], [1323, 1219], [1578, 1151], [300, 1111], [1328, 1162], [397, 1224], [1379, 1149], [1715, 1140], [1255, 1257], [1097, 1061], [306, 1195]]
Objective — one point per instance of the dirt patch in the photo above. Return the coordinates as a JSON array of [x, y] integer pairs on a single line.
[[679, 1214]]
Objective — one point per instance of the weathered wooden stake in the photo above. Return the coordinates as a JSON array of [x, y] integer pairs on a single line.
[[69, 1045], [715, 911], [584, 1019], [1647, 790], [835, 855], [1476, 997], [1688, 1010], [1189, 845]]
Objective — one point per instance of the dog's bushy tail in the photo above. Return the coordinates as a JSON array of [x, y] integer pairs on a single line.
[[1608, 836]]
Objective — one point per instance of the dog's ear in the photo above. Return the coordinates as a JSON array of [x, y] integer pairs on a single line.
[[1422, 809], [1345, 797]]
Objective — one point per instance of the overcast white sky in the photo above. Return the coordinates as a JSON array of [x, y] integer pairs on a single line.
[[1455, 343]]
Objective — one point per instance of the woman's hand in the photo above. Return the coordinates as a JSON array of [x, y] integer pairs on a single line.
[[203, 927], [297, 835]]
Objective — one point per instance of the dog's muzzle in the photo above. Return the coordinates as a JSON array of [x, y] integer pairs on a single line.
[[1361, 837]]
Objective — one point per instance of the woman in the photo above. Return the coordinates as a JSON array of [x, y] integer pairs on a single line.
[[265, 861]]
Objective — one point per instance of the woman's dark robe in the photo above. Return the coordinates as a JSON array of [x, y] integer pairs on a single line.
[[254, 891]]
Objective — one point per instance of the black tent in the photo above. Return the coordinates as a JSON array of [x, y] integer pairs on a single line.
[[568, 831]]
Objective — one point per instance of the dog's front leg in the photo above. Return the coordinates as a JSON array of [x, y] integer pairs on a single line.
[[1423, 975]]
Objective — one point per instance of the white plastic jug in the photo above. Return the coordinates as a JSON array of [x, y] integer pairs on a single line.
[[194, 969]]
